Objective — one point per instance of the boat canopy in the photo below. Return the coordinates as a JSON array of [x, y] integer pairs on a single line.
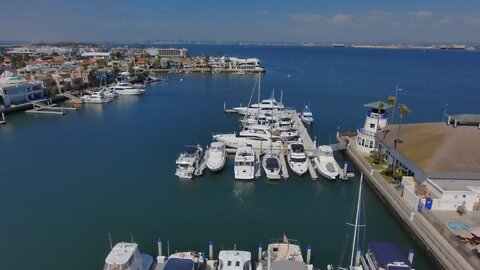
[[179, 264], [272, 163], [386, 252]]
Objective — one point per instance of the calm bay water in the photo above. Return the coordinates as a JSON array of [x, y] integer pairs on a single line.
[[66, 182]]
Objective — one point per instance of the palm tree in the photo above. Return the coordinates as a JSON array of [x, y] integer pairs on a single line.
[[390, 100], [403, 111], [381, 106]]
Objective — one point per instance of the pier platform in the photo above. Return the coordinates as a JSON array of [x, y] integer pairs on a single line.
[[311, 170], [308, 144], [284, 166], [441, 250]]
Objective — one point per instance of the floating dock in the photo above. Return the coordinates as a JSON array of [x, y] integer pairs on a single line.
[[203, 164], [284, 167], [311, 169], [41, 108], [308, 144]]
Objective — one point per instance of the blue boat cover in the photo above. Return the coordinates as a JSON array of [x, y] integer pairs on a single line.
[[386, 253], [178, 264]]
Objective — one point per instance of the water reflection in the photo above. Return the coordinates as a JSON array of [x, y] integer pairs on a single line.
[[242, 189], [124, 102]]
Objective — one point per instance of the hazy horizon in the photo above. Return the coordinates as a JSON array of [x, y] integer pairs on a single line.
[[374, 21]]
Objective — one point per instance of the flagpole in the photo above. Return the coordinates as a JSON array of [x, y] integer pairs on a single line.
[[395, 102]]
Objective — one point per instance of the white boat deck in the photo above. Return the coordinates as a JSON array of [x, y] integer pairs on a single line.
[[307, 141]]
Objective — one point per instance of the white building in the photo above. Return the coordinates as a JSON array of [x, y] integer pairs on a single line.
[[167, 52], [15, 90], [235, 64], [375, 120]]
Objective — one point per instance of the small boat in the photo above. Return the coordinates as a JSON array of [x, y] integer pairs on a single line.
[[190, 260], [386, 255], [271, 165], [244, 163], [95, 98], [297, 158], [284, 254], [289, 76], [189, 161], [234, 260], [126, 256], [325, 162], [306, 116], [216, 157]]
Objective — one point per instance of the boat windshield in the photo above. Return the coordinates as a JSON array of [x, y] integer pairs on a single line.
[[294, 159], [189, 149], [183, 166], [243, 163], [297, 148]]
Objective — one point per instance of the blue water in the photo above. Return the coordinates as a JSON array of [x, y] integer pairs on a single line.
[[66, 182]]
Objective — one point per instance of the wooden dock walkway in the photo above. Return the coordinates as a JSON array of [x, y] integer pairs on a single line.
[[258, 165], [284, 166], [311, 169], [48, 108], [308, 144], [203, 164]]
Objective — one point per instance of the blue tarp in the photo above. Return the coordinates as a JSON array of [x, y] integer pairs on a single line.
[[178, 264], [386, 253]]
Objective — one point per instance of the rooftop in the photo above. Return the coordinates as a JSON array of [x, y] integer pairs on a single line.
[[376, 105], [438, 148]]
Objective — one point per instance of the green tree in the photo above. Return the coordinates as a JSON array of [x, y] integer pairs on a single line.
[[390, 101], [404, 110]]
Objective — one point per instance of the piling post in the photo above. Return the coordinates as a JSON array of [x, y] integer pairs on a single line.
[[210, 250], [309, 254], [3, 119], [410, 255], [357, 257], [448, 121], [159, 245], [259, 252]]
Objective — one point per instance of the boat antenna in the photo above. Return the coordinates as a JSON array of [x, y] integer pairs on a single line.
[[356, 220], [110, 238], [259, 89]]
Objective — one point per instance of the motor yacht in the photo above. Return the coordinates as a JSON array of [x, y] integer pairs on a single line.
[[297, 158], [126, 256], [95, 98], [271, 165], [190, 260], [306, 116], [325, 162], [233, 140], [126, 88], [189, 161], [245, 163], [216, 156], [283, 254], [234, 260]]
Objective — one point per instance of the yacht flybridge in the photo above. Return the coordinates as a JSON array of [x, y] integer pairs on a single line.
[[126, 256], [126, 88], [297, 158], [284, 254], [189, 161], [245, 163], [325, 162]]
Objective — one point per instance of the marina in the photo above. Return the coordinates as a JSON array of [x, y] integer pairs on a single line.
[[140, 186]]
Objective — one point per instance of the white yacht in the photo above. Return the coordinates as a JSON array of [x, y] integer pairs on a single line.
[[126, 256], [189, 161], [264, 131], [233, 140], [271, 165], [325, 162], [270, 104], [284, 254], [306, 116], [297, 158], [216, 156], [15, 90], [108, 93], [126, 88], [234, 260], [95, 98], [245, 163]]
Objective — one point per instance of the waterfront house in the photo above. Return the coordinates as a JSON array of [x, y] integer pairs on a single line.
[[15, 90]]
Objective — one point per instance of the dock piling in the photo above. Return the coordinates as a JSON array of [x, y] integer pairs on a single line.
[[259, 252], [3, 121]]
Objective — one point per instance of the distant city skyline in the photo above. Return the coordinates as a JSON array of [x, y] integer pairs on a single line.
[[261, 21]]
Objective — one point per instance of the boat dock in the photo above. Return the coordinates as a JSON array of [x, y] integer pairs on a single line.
[[284, 166], [311, 169], [3, 121], [310, 147], [203, 164], [48, 108], [258, 165]]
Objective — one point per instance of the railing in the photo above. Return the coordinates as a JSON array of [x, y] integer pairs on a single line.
[[377, 115], [280, 241], [366, 132]]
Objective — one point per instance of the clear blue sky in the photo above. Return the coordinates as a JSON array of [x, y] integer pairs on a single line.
[[241, 20]]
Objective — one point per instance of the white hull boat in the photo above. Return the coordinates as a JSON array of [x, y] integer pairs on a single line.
[[235, 141], [124, 88], [272, 166], [325, 162], [306, 116], [216, 156], [244, 163], [188, 161], [297, 159], [126, 256]]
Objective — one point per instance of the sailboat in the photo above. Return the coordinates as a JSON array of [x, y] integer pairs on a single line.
[[380, 255]]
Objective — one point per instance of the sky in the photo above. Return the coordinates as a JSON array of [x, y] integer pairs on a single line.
[[241, 20]]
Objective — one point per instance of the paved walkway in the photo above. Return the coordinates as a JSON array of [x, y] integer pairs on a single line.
[[444, 254]]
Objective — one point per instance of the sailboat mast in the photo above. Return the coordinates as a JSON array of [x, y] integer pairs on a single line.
[[259, 88], [356, 221]]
